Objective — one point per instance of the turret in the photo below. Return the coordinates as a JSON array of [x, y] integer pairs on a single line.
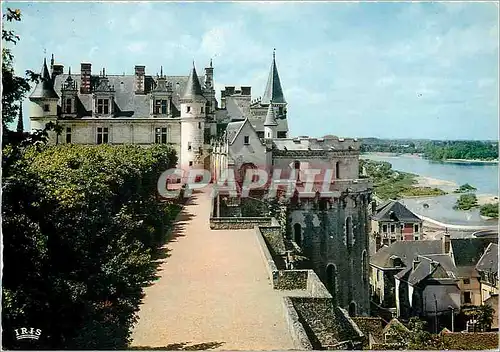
[[44, 100], [270, 123], [193, 113]]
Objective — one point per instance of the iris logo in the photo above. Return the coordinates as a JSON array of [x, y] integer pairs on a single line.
[[25, 333]]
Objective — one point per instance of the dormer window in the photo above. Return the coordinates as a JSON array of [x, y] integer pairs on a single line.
[[246, 140], [46, 107], [188, 108], [160, 107], [103, 106], [68, 108]]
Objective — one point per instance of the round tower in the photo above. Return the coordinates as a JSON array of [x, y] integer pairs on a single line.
[[44, 102], [270, 123], [193, 105]]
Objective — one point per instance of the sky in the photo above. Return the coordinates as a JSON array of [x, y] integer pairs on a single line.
[[365, 69]]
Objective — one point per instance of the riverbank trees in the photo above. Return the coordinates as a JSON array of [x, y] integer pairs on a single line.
[[81, 228], [392, 184]]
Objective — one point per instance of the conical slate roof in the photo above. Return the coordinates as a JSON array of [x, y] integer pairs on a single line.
[[270, 117], [193, 88], [273, 91], [44, 88]]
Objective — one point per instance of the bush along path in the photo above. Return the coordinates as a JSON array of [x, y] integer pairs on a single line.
[[81, 227]]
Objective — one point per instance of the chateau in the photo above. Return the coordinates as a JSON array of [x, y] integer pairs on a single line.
[[330, 226]]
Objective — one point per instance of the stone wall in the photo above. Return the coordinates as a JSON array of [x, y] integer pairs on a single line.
[[327, 326], [471, 340], [291, 280], [237, 223], [299, 336]]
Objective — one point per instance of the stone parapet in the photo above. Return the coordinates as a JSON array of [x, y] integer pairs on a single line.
[[237, 223]]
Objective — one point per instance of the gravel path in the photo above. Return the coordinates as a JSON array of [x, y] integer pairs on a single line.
[[213, 289]]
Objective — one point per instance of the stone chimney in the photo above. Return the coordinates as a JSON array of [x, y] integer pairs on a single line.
[[445, 243], [57, 69], [86, 72], [140, 73]]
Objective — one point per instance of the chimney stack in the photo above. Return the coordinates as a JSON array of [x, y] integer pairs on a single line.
[[57, 69], [446, 243], [140, 73], [86, 72]]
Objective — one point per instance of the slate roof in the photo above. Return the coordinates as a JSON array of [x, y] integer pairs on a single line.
[[468, 251], [273, 91], [270, 117], [313, 144], [193, 90], [406, 250], [232, 130], [258, 125], [128, 104], [489, 260], [395, 211], [44, 88], [440, 266]]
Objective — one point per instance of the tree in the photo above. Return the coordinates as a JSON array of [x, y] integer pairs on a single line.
[[14, 87]]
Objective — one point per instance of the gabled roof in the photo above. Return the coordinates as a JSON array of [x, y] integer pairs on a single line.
[[489, 260], [468, 251], [127, 102], [406, 250], [45, 88], [273, 91], [394, 211], [193, 89], [437, 266], [270, 117]]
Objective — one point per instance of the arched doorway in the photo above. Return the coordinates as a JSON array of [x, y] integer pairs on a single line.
[[352, 309], [331, 281], [297, 234]]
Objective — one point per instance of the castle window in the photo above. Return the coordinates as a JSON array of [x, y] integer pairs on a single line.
[[160, 107], [102, 135], [202, 109], [297, 234], [161, 135], [189, 145], [331, 281], [246, 140], [199, 125], [384, 228], [337, 169], [68, 106], [190, 163], [281, 134], [46, 107], [393, 228], [415, 227], [103, 106], [467, 297], [68, 134], [188, 109], [348, 232]]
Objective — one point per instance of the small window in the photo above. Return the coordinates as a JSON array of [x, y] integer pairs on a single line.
[[393, 228], [202, 110], [467, 297], [46, 107], [188, 109], [164, 107], [189, 145], [384, 228], [68, 106], [190, 163], [466, 281], [416, 238], [416, 227], [280, 110], [102, 135], [103, 106], [199, 125], [281, 134], [246, 140], [68, 134]]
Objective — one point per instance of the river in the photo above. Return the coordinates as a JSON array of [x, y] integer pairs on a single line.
[[483, 176]]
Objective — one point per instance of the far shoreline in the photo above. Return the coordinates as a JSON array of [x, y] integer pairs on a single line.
[[419, 155]]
